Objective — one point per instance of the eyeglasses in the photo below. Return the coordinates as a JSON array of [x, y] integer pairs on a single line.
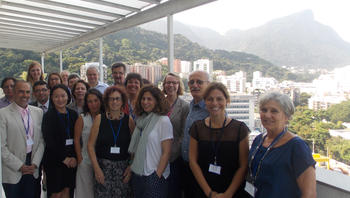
[[40, 90], [171, 82], [112, 99], [199, 82]]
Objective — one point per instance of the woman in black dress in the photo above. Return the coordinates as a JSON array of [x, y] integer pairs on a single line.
[[219, 148], [59, 158]]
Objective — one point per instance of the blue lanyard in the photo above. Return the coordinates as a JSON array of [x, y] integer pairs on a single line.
[[263, 157], [217, 145], [61, 116], [28, 127], [131, 111], [115, 137]]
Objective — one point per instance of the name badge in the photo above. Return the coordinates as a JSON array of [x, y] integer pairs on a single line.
[[115, 150], [69, 142], [214, 169], [29, 141]]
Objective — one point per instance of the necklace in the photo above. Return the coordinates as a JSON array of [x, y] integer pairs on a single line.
[[111, 117]]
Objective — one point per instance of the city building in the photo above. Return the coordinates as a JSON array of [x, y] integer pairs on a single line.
[[151, 72], [204, 65], [235, 83], [324, 102], [241, 108], [263, 83]]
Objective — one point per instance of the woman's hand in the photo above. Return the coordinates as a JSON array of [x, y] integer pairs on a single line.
[[221, 195], [99, 176], [66, 161], [127, 175], [79, 158], [73, 162]]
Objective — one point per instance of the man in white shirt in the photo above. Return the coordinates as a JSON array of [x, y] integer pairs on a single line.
[[92, 76], [22, 144]]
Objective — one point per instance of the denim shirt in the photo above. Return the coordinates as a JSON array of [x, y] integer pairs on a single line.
[[101, 87], [197, 112], [4, 102]]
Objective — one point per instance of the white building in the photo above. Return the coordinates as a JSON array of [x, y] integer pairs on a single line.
[[324, 102], [241, 108], [204, 65], [84, 67], [235, 83], [186, 69], [265, 83]]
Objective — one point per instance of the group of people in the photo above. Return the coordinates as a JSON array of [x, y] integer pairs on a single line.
[[132, 139]]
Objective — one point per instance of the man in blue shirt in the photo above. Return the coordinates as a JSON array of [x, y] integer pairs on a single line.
[[197, 82], [92, 76]]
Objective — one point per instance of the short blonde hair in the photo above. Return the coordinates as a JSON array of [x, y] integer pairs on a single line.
[[180, 90]]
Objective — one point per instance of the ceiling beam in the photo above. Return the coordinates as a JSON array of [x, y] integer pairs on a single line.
[[24, 29], [154, 13], [40, 26], [114, 5], [79, 8], [65, 20], [29, 20], [151, 1], [53, 11], [33, 35]]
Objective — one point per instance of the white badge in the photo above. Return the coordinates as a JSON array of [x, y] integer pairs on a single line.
[[69, 142], [115, 150], [214, 169], [29, 141]]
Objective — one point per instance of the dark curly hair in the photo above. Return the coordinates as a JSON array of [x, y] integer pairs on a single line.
[[162, 106], [98, 94], [112, 89], [87, 86]]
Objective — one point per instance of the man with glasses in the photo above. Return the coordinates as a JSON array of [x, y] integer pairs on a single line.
[[197, 82], [7, 86], [22, 145], [92, 74], [41, 93], [118, 73]]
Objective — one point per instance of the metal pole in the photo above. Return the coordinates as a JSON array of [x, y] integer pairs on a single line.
[[43, 62], [61, 64], [170, 43], [101, 59]]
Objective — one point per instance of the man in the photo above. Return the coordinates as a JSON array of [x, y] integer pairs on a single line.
[[198, 82], [72, 79], [21, 143], [7, 87], [64, 75], [118, 73], [41, 93], [92, 76]]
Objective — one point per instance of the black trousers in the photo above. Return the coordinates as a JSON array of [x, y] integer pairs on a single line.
[[188, 181]]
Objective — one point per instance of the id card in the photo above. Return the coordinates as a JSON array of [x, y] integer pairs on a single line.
[[69, 142], [115, 150], [29, 141], [214, 169]]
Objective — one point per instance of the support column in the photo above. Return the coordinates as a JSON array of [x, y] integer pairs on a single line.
[[43, 62], [170, 21], [101, 59], [61, 64]]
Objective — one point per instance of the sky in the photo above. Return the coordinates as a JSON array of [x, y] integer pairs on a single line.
[[223, 15]]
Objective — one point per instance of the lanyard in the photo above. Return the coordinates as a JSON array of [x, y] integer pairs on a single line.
[[263, 157], [115, 137], [28, 126], [172, 108], [61, 116], [217, 145], [131, 111]]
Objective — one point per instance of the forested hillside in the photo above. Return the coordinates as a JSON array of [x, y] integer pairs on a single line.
[[138, 45]]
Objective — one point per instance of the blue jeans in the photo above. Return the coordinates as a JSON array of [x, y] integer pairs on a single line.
[[149, 186]]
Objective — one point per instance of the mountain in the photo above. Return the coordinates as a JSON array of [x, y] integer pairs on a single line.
[[295, 40], [139, 45]]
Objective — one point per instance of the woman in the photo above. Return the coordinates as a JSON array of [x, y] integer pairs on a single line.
[[108, 146], [54, 79], [173, 87], [280, 163], [79, 90], [219, 148], [133, 83], [59, 158], [93, 106], [34, 74], [152, 138], [7, 86]]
